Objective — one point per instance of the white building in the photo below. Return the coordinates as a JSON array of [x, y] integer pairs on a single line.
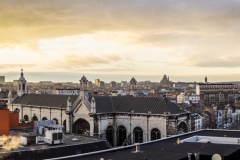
[[123, 84], [121, 119], [187, 98], [67, 91], [196, 121]]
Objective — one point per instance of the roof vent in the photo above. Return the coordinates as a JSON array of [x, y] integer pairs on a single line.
[[216, 157], [196, 156], [138, 147], [189, 156], [149, 112]]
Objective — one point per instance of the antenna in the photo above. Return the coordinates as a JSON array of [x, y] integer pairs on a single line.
[[216, 157]]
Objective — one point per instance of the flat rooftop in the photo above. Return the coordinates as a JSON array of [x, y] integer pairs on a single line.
[[73, 144], [168, 149], [68, 141]]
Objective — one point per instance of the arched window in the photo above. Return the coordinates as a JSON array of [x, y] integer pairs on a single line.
[[44, 119], [26, 118], [16, 110], [55, 119], [65, 125], [109, 134], [155, 134], [138, 135], [121, 135], [81, 126], [182, 128], [34, 118], [23, 87]]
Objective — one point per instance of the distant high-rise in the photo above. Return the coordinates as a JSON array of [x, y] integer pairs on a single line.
[[206, 79], [123, 84], [113, 84], [89, 84], [97, 82], [2, 79], [101, 84]]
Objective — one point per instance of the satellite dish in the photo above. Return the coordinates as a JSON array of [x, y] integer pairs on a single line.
[[216, 157]]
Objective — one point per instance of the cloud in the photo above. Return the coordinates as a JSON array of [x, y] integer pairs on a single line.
[[211, 61], [8, 66], [184, 33], [29, 20], [76, 61]]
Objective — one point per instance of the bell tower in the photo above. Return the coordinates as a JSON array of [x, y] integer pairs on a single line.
[[133, 91], [22, 84], [83, 88]]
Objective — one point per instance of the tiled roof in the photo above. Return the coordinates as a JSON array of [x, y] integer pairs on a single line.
[[50, 100], [136, 104]]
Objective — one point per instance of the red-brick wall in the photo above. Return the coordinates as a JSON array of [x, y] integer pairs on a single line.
[[4, 122], [14, 119]]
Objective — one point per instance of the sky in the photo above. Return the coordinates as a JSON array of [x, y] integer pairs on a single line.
[[61, 40]]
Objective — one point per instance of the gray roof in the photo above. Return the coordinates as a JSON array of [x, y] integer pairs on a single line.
[[106, 104], [50, 100], [137, 104]]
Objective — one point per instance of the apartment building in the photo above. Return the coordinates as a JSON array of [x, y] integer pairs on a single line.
[[217, 92]]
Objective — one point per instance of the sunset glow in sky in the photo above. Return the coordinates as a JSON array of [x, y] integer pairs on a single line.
[[60, 40]]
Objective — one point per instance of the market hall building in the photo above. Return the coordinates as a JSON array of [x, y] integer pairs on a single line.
[[122, 120]]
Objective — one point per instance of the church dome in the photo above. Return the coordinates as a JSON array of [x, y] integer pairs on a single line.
[[133, 80], [83, 79], [22, 79]]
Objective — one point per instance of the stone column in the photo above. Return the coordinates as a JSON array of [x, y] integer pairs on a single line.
[[147, 129], [114, 131], [92, 126], [21, 112], [40, 118], [99, 126]]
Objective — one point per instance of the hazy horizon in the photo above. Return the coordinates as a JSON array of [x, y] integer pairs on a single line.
[[75, 77], [115, 40]]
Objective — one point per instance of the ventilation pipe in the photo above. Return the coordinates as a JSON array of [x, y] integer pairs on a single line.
[[196, 156], [138, 147], [189, 156]]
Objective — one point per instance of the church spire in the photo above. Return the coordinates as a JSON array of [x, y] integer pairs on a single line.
[[133, 84], [22, 84], [83, 87]]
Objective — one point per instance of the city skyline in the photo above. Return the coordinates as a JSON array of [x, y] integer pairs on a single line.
[[113, 40]]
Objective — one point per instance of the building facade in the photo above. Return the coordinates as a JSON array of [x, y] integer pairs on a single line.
[[113, 84], [188, 98], [67, 91], [217, 92], [123, 84]]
